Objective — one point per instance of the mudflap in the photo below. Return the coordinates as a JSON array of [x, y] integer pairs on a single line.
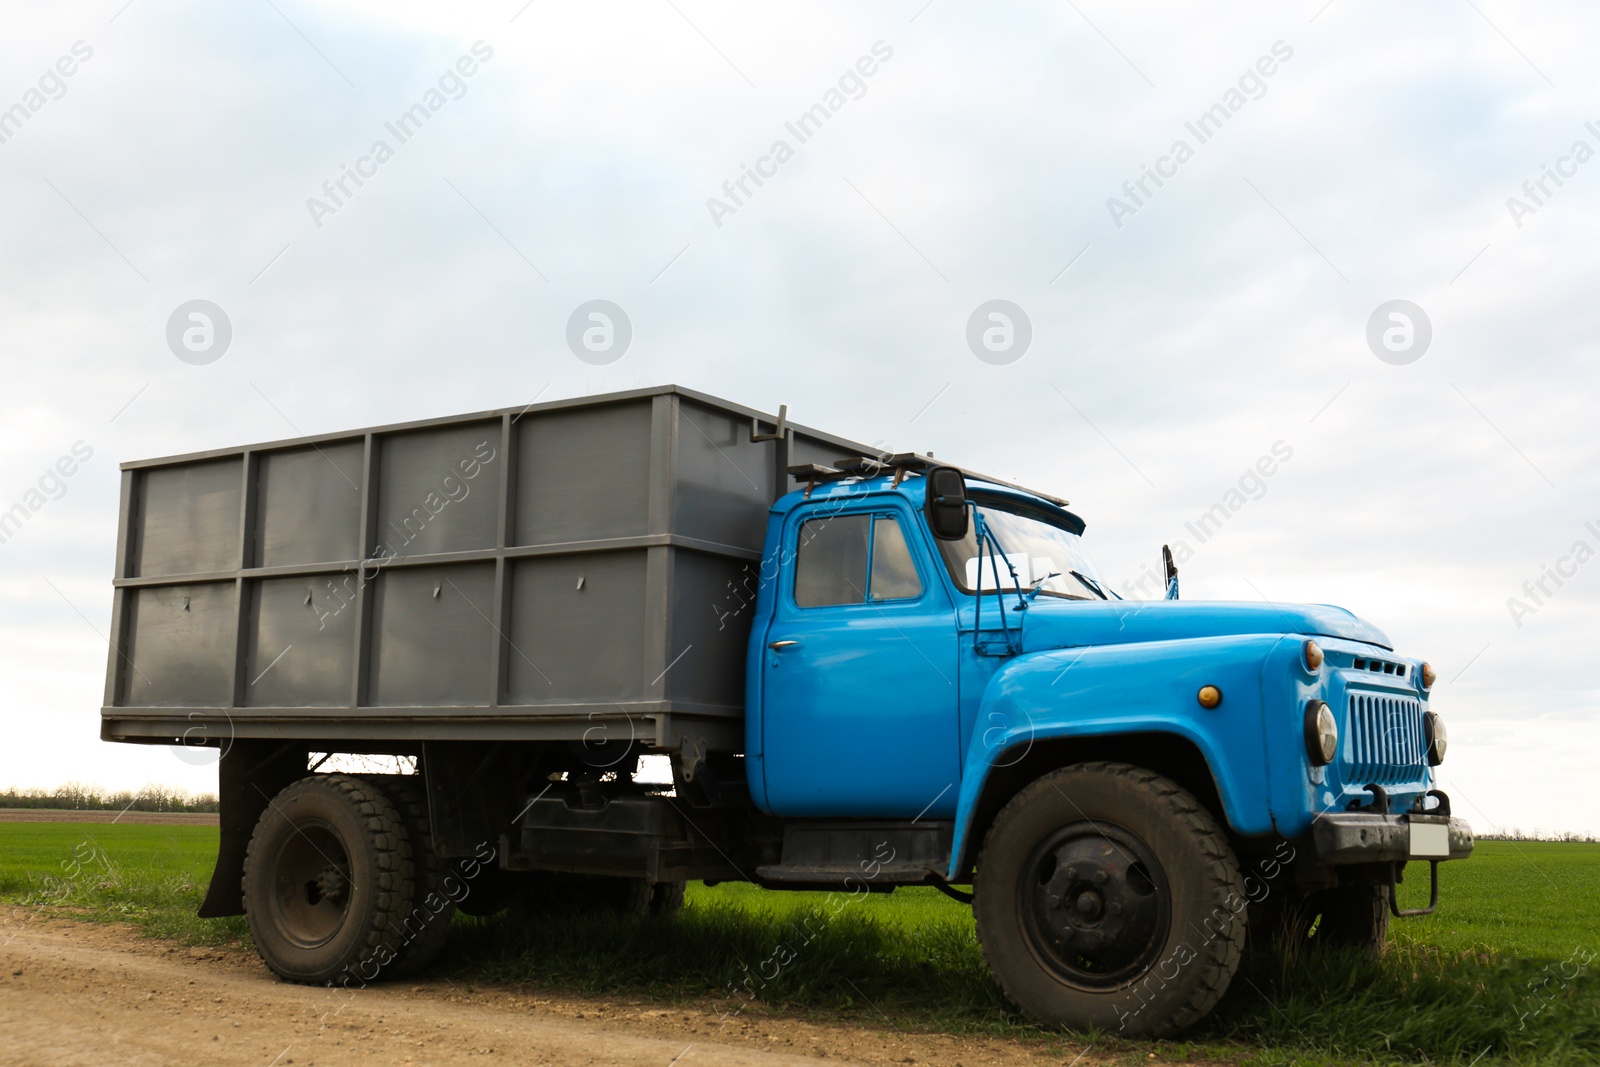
[[249, 775]]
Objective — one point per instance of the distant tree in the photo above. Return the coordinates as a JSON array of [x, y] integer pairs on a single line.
[[75, 796]]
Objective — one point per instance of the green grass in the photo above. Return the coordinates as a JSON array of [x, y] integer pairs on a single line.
[[1536, 898], [1493, 974], [151, 876]]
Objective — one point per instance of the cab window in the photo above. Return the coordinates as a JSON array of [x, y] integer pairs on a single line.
[[853, 559]]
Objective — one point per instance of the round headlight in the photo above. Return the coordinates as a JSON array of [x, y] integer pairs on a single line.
[[1314, 656], [1322, 733], [1438, 738]]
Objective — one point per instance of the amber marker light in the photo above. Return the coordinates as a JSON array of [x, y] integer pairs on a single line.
[[1209, 696], [1314, 656], [1429, 676]]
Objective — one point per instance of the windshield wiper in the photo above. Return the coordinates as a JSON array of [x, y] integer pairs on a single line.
[[1038, 587], [1090, 584]]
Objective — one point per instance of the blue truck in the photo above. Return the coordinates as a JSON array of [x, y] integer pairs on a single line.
[[866, 670]]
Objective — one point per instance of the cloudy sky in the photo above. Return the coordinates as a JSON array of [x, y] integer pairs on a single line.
[[1334, 158]]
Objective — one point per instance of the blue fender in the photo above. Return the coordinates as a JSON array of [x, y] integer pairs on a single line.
[[1146, 687]]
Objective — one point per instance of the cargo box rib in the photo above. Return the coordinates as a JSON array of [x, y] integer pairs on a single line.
[[566, 570]]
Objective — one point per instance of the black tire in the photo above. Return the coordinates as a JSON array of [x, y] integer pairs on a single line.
[[1107, 897], [426, 923], [1347, 917], [327, 881]]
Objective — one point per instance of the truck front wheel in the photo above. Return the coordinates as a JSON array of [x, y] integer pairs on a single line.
[[1107, 897], [328, 881]]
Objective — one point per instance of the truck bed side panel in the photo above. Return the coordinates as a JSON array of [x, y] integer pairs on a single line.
[[527, 573]]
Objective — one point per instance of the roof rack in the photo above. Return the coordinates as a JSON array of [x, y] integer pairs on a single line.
[[901, 463]]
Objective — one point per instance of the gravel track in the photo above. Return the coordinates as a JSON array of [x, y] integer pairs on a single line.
[[85, 993]]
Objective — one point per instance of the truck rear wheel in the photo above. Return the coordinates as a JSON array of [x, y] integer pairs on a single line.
[[327, 881], [427, 923], [1107, 897]]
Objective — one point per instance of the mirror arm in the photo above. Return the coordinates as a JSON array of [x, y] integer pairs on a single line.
[[987, 540]]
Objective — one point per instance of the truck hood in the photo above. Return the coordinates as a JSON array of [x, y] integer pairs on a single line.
[[1055, 623]]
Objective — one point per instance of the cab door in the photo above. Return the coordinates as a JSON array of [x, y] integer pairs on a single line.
[[859, 671]]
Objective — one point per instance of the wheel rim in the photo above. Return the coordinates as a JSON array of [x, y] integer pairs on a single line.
[[1095, 905], [311, 885]]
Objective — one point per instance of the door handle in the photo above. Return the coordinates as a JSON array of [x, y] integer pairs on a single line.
[[779, 646]]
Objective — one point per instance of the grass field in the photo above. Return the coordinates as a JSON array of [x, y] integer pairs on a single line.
[[1503, 975]]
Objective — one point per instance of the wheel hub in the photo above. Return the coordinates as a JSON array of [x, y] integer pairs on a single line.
[[329, 885], [312, 885], [1095, 905]]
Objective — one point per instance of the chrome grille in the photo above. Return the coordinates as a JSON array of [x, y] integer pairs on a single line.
[[1384, 742]]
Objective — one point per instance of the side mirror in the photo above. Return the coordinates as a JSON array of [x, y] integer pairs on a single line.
[[946, 505], [1171, 570]]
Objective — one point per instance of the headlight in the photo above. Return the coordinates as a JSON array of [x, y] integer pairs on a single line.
[[1322, 733], [1438, 738]]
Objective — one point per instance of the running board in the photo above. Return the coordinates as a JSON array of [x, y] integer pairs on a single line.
[[865, 855]]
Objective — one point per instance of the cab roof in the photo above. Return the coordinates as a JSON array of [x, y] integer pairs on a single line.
[[909, 484]]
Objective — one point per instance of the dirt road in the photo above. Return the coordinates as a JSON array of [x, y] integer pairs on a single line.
[[81, 993]]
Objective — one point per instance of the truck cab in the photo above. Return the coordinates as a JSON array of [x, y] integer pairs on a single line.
[[898, 675]]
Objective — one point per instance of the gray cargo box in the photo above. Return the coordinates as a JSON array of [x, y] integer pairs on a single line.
[[582, 568]]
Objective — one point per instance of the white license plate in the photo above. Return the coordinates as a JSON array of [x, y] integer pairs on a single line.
[[1430, 840]]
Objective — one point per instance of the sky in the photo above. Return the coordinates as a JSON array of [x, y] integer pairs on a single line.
[[1318, 169]]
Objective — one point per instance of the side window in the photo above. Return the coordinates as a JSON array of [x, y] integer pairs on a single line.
[[830, 565], [894, 573], [853, 559]]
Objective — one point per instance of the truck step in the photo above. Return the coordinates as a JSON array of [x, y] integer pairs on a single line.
[[852, 877], [857, 852]]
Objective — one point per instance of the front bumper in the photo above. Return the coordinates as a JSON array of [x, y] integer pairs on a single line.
[[1366, 837]]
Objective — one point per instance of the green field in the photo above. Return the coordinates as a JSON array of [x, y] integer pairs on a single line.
[[1503, 975]]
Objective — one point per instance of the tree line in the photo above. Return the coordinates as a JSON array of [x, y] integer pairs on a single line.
[[77, 797], [1517, 834]]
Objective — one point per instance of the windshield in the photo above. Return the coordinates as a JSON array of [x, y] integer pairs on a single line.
[[1043, 555]]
